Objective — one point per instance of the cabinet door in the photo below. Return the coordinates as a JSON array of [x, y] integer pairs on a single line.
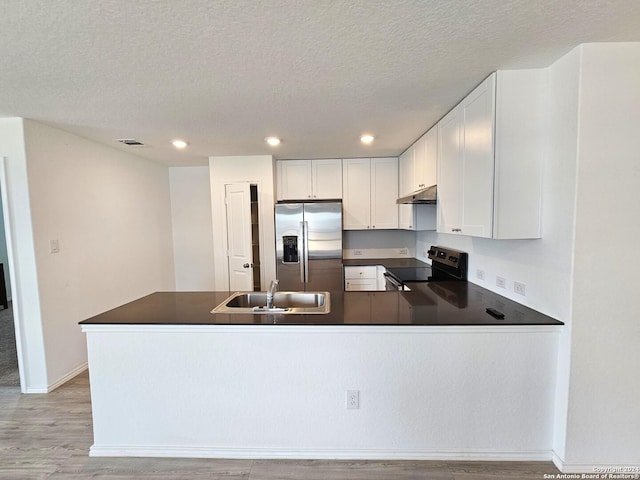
[[406, 217], [368, 272], [357, 307], [327, 178], [406, 172], [450, 172], [405, 187], [428, 173], [478, 110], [295, 180], [384, 307], [356, 183], [384, 193], [419, 164], [364, 284]]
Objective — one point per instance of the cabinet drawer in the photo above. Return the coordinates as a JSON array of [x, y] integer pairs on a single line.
[[363, 284], [360, 272]]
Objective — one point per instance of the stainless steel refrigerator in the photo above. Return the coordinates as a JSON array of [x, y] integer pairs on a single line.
[[309, 246]]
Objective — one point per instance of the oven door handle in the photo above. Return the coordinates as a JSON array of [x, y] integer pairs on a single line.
[[393, 281]]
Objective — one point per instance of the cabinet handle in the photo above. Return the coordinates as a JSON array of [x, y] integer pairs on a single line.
[[373, 226]]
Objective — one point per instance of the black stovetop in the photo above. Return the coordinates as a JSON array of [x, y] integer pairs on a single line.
[[410, 274]]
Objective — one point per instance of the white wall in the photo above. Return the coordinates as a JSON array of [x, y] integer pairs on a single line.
[[192, 228], [378, 243], [257, 169], [561, 170], [20, 243], [111, 213], [603, 424]]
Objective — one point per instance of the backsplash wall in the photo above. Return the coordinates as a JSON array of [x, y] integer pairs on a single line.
[[378, 243]]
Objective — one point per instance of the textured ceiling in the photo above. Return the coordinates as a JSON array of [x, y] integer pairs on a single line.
[[225, 74]]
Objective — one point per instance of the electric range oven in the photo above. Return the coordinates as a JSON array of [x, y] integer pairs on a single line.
[[446, 264]]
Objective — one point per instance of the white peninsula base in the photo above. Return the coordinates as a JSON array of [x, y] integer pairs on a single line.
[[276, 391]]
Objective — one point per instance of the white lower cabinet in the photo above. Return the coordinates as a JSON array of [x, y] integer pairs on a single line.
[[364, 278]]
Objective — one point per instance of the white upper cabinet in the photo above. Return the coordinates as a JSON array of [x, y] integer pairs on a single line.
[[405, 187], [326, 176], [384, 193], [490, 150], [425, 160], [309, 179], [356, 199], [370, 193], [450, 172], [417, 170]]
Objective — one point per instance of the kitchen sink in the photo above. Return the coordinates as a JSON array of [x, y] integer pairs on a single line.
[[283, 302]]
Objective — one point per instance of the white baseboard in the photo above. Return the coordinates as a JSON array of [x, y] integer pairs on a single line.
[[64, 379], [557, 461], [40, 389], [292, 453], [593, 468]]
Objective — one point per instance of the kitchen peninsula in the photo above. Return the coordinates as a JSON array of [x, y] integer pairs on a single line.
[[436, 377]]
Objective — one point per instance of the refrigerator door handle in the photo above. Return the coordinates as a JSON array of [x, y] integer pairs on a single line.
[[306, 251]]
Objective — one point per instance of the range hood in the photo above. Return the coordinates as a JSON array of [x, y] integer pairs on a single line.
[[424, 196]]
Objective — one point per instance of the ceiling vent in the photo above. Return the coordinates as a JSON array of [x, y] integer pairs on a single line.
[[131, 142]]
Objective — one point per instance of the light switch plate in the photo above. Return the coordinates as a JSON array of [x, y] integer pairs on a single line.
[[54, 246]]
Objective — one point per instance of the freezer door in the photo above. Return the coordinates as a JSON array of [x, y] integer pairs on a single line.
[[289, 246], [323, 256]]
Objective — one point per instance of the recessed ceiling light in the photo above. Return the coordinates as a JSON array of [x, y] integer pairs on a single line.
[[367, 139], [273, 141], [179, 143]]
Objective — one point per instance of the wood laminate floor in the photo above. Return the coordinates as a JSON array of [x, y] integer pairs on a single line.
[[48, 437]]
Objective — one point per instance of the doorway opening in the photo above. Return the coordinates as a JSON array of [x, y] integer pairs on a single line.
[[255, 236], [9, 370], [243, 236]]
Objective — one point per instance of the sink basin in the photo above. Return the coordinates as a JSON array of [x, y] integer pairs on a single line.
[[283, 303]]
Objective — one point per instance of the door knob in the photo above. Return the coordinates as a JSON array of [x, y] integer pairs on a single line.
[[246, 265]]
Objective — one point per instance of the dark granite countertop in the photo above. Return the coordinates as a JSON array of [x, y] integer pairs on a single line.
[[432, 303], [385, 262]]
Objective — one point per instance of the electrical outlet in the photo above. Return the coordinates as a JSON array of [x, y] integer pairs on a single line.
[[501, 282], [403, 251], [480, 274], [353, 399], [520, 288], [357, 253]]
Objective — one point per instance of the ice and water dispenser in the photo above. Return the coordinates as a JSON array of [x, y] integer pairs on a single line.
[[290, 246]]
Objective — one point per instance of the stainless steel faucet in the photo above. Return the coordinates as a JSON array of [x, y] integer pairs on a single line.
[[273, 286]]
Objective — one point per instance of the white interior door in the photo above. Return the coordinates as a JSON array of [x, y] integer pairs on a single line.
[[239, 252]]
